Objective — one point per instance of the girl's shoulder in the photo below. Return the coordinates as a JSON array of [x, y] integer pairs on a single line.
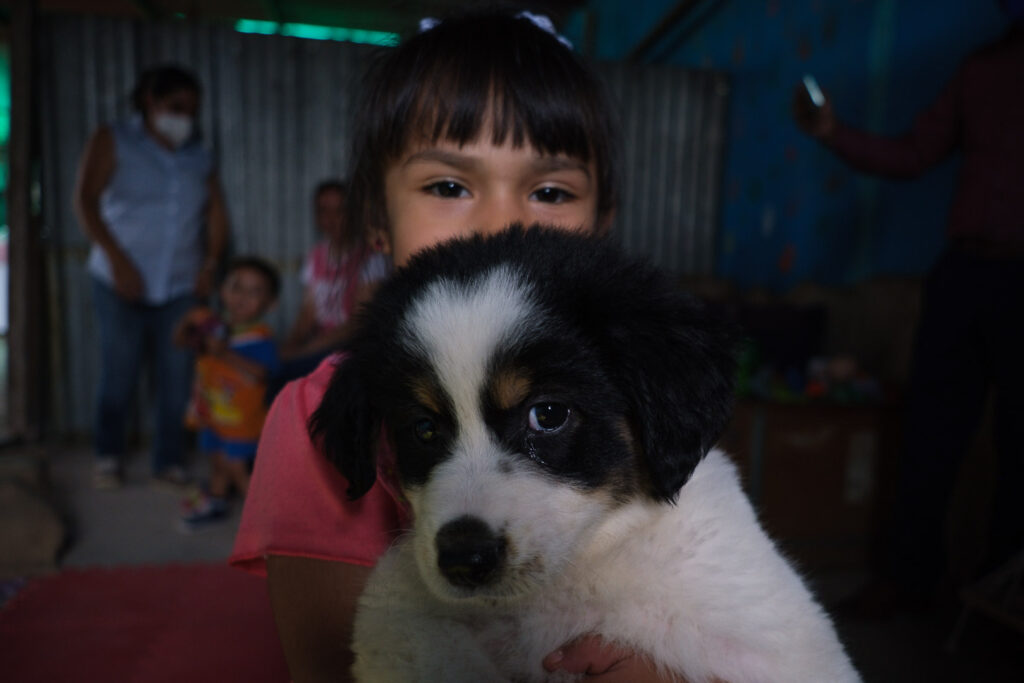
[[315, 383]]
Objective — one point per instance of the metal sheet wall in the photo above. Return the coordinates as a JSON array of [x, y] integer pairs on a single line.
[[276, 112]]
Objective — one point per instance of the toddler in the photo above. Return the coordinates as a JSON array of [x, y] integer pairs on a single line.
[[476, 122], [236, 356]]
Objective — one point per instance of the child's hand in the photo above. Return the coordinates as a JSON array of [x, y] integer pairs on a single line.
[[608, 662], [215, 344]]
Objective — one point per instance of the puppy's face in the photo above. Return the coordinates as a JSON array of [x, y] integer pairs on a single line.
[[528, 387], [510, 438]]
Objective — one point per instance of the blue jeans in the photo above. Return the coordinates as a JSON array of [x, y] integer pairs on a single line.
[[133, 334]]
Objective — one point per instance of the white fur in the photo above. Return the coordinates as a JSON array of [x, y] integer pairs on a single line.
[[698, 587], [458, 327]]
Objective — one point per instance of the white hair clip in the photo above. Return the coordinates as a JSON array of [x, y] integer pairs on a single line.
[[545, 24], [541, 21]]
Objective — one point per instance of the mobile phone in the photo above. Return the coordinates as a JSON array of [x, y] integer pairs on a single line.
[[813, 91]]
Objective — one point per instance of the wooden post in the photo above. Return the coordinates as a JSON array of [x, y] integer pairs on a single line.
[[25, 354]]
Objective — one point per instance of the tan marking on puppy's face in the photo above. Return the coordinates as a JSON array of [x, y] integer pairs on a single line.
[[427, 395], [509, 388], [625, 484]]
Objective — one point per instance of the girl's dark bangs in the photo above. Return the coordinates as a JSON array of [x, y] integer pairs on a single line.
[[481, 70], [527, 93]]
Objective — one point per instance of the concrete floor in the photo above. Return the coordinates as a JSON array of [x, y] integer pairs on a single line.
[[131, 525], [136, 525]]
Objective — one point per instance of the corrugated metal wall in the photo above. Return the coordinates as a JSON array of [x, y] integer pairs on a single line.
[[673, 131], [276, 112]]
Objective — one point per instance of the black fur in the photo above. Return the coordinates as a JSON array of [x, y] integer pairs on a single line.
[[671, 361]]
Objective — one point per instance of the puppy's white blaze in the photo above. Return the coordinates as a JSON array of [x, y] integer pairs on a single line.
[[543, 519], [459, 327]]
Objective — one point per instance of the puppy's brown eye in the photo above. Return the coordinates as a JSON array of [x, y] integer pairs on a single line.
[[425, 430], [548, 417]]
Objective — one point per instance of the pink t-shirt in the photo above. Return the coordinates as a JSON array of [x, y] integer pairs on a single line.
[[332, 280], [297, 504]]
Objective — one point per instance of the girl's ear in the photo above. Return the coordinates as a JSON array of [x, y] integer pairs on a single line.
[[380, 240], [346, 428]]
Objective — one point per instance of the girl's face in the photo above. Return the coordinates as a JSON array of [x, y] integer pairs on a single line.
[[330, 214], [439, 191]]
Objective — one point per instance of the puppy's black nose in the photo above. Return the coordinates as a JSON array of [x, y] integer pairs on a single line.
[[469, 554]]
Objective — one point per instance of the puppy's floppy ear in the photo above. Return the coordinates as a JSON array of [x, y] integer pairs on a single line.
[[346, 427], [675, 363]]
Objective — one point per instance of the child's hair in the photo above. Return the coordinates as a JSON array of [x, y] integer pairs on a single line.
[[261, 266], [162, 80], [442, 83]]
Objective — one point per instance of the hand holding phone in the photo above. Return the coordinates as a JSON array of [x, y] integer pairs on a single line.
[[812, 110], [813, 91]]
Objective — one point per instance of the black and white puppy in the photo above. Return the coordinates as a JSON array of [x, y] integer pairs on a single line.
[[552, 406]]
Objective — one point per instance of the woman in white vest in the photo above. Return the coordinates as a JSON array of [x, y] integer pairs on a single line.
[[148, 198]]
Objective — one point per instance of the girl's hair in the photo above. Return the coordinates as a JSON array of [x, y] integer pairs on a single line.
[[444, 82], [160, 81]]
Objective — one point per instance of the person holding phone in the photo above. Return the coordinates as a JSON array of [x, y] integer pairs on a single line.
[[970, 336]]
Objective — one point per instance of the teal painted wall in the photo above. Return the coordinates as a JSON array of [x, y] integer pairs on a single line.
[[791, 211]]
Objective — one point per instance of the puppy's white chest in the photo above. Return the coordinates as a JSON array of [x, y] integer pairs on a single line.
[[404, 633]]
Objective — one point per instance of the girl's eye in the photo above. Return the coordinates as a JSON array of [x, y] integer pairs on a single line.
[[447, 189], [551, 195], [425, 430], [548, 418]]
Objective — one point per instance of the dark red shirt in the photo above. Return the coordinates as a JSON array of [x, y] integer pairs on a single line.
[[981, 112]]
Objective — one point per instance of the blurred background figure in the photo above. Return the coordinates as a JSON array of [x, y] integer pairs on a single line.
[[339, 273], [236, 356], [970, 337], [148, 198]]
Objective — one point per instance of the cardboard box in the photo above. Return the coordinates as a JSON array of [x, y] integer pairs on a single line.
[[813, 472]]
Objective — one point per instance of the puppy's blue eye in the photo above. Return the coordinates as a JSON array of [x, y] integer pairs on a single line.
[[425, 430], [548, 417]]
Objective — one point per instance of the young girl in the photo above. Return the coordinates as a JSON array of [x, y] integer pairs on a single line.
[[475, 123], [339, 273]]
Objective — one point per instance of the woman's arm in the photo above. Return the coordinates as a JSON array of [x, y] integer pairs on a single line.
[[95, 169], [314, 604], [935, 133]]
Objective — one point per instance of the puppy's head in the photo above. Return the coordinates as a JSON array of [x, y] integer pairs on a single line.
[[529, 383]]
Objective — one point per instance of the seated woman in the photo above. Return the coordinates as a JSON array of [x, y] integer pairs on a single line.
[[339, 273]]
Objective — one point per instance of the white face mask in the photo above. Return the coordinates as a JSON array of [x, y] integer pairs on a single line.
[[175, 128]]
